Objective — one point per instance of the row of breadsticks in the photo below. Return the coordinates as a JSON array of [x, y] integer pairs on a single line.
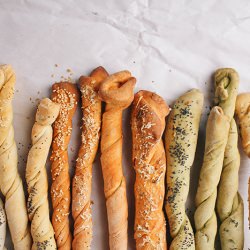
[[162, 174]]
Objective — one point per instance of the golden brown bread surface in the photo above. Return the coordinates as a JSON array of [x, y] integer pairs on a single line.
[[66, 94], [10, 182], [36, 176], [81, 186], [148, 123], [117, 92]]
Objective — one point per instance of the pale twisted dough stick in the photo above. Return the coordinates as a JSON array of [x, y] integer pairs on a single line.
[[10, 181], [36, 176], [243, 113], [117, 92], [229, 203], [216, 139], [230, 206], [81, 186], [181, 140], [148, 123], [66, 94], [2, 226]]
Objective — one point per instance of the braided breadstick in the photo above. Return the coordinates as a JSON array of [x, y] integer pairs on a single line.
[[2, 226], [148, 123], [10, 181], [82, 181], [243, 113], [36, 176], [66, 94], [229, 202], [117, 92], [216, 139], [181, 140]]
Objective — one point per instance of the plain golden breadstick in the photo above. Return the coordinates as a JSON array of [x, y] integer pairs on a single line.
[[82, 181], [205, 219], [229, 204], [181, 140], [117, 92], [10, 181], [148, 123], [66, 94], [243, 114], [36, 176]]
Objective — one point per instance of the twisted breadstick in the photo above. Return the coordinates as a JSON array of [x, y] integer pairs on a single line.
[[81, 187], [226, 83], [10, 181], [243, 113], [229, 202], [216, 139], [181, 140], [2, 226], [117, 92], [66, 94], [148, 123], [36, 176]]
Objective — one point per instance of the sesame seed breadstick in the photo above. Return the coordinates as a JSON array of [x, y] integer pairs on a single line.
[[117, 92], [181, 140], [36, 176], [243, 114], [82, 181], [229, 204], [205, 219], [2, 225], [66, 94], [10, 181], [148, 123]]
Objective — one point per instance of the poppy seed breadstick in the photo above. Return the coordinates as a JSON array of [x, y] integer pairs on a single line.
[[10, 181], [66, 94], [117, 92], [36, 176], [181, 139], [148, 123], [81, 186]]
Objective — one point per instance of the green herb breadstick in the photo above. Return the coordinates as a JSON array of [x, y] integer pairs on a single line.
[[181, 140], [216, 139], [229, 202]]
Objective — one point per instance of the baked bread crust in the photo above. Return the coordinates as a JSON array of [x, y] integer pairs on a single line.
[[117, 92], [36, 176], [66, 94], [82, 181], [10, 181], [180, 143], [148, 123]]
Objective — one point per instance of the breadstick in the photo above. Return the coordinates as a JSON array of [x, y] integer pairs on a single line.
[[230, 206], [10, 181], [36, 176], [66, 94], [216, 139], [181, 140], [243, 114], [117, 92], [148, 123], [2, 226], [82, 181], [226, 81]]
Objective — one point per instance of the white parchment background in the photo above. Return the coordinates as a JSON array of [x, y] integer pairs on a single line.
[[170, 46]]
